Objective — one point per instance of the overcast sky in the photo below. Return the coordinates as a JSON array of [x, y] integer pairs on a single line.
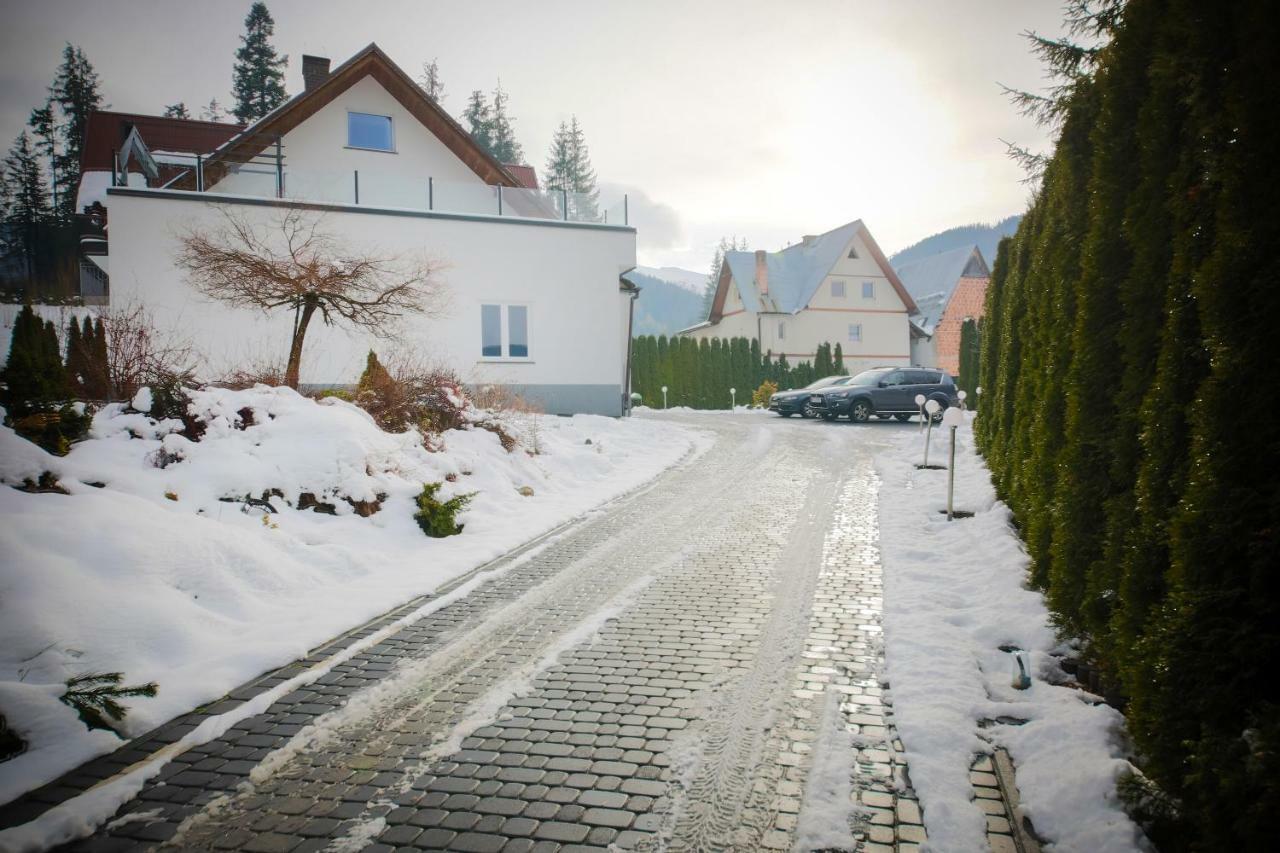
[[765, 120]]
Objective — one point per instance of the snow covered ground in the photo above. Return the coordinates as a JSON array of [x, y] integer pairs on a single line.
[[954, 595], [144, 569]]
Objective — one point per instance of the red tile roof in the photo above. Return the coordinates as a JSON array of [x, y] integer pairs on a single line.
[[524, 174], [106, 132]]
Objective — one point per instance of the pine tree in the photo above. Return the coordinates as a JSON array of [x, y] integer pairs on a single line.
[[75, 92], [505, 147], [838, 360], [178, 110], [25, 201], [33, 377], [213, 111], [258, 77], [430, 81], [569, 170], [99, 385], [77, 367], [479, 120]]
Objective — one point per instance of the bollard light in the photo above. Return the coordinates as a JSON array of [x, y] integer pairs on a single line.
[[664, 396], [952, 418], [960, 395], [930, 407], [920, 406], [733, 398]]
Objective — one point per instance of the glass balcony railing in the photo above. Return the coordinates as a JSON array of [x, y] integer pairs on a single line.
[[269, 176]]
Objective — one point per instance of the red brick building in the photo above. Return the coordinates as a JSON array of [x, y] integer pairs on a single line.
[[948, 288]]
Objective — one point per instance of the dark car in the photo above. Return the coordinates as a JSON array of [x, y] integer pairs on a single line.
[[788, 403], [885, 392]]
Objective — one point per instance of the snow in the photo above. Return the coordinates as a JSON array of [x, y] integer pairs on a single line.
[[142, 401], [143, 569], [827, 810], [953, 595]]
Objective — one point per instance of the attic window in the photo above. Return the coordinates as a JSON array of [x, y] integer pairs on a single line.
[[372, 132], [868, 290], [853, 253], [837, 289]]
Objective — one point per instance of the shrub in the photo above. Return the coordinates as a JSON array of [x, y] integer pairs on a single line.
[[760, 397], [33, 378], [412, 394], [437, 518], [137, 353], [94, 697], [259, 372]]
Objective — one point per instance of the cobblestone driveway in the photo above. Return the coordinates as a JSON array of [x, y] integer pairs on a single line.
[[653, 678]]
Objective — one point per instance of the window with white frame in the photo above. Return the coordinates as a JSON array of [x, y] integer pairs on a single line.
[[782, 330], [868, 290], [837, 289], [855, 333], [366, 130], [504, 331]]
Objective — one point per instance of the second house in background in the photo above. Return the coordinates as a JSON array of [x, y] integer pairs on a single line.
[[836, 287]]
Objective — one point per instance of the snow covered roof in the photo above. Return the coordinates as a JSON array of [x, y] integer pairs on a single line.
[[932, 280], [796, 272]]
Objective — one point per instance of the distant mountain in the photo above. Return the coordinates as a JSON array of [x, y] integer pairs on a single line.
[[985, 237], [687, 279], [670, 299]]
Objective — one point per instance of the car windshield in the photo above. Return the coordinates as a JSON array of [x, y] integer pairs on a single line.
[[827, 381], [868, 377]]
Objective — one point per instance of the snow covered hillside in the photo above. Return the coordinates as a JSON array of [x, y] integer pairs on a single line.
[[954, 595], [190, 563]]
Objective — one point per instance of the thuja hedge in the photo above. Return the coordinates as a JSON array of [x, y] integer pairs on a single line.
[[698, 373], [1126, 414]]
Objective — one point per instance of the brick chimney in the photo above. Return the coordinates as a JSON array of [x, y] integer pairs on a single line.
[[762, 272], [315, 70]]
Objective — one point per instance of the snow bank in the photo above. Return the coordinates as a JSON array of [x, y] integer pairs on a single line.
[[149, 571], [954, 595]]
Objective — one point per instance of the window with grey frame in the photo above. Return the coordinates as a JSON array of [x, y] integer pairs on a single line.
[[868, 290], [370, 131], [504, 331]]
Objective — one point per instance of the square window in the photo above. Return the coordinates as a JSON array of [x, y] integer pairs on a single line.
[[837, 289], [491, 331], [868, 290], [855, 332], [365, 130]]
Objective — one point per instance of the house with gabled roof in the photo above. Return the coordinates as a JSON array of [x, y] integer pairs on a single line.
[[537, 302], [836, 287], [949, 288]]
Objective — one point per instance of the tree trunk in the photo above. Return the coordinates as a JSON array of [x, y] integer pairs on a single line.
[[295, 348]]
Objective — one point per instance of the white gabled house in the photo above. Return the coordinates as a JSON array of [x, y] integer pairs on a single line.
[[537, 303], [836, 287]]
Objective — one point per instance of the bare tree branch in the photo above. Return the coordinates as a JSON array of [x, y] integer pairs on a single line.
[[291, 262]]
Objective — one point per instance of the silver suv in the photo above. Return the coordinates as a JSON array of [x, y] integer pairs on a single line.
[[886, 392]]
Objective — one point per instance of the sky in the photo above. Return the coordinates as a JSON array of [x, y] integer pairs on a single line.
[[760, 120]]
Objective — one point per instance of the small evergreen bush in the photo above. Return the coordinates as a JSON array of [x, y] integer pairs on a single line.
[[760, 397], [438, 518], [94, 697]]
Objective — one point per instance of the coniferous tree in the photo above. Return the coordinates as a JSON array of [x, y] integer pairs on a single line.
[[430, 81], [77, 359], [258, 77], [479, 120], [178, 110], [25, 201], [100, 386], [569, 169], [33, 378], [505, 147], [59, 125], [213, 111], [838, 360]]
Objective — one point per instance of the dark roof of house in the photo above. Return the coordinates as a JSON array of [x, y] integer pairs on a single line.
[[524, 174], [106, 131]]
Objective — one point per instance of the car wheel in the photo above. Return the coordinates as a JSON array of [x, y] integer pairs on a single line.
[[903, 416], [786, 414], [805, 413], [860, 412]]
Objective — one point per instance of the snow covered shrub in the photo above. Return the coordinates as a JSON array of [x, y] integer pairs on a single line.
[[438, 518], [412, 394], [760, 397], [94, 698], [260, 372]]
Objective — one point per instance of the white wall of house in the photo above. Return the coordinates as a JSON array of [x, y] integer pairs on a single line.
[[566, 274], [924, 352]]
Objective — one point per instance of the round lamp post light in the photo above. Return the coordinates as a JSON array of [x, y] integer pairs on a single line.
[[931, 408], [664, 396], [733, 398], [920, 406], [961, 395]]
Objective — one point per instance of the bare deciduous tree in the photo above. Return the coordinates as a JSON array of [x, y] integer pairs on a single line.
[[290, 262]]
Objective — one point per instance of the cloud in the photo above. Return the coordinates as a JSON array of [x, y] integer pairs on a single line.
[[657, 225]]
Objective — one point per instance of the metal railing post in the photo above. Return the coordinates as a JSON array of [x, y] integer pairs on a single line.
[[499, 199], [626, 210], [199, 173], [357, 185], [115, 166], [431, 194], [279, 169], [564, 201]]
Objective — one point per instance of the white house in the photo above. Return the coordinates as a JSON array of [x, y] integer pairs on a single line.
[[536, 300], [836, 287]]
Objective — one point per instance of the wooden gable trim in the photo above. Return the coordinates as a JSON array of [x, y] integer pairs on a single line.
[[722, 293], [889, 273], [370, 62]]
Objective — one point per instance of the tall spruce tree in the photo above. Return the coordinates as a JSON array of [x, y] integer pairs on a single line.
[[505, 147], [25, 201], [258, 77], [59, 125], [213, 111], [569, 169], [430, 81], [479, 118]]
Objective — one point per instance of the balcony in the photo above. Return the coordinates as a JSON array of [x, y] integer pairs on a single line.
[[267, 175]]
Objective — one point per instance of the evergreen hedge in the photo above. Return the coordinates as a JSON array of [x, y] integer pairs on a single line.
[[698, 373], [1124, 413]]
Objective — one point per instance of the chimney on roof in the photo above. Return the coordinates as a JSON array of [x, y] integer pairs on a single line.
[[762, 272], [315, 70], [808, 239]]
